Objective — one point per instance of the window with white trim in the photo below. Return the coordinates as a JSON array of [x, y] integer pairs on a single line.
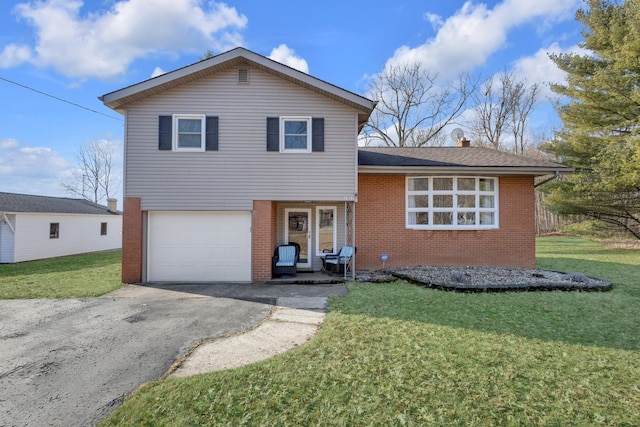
[[452, 202], [295, 134], [326, 230], [189, 132]]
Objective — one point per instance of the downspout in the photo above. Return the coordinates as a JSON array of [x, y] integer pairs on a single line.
[[6, 221], [556, 174]]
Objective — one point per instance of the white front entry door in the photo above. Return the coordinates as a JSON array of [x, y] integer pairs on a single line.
[[298, 230]]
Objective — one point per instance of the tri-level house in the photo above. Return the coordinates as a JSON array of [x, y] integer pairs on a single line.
[[231, 156]]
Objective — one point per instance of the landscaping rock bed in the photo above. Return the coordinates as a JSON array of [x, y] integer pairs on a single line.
[[487, 279]]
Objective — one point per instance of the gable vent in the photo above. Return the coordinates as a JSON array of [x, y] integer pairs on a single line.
[[243, 76]]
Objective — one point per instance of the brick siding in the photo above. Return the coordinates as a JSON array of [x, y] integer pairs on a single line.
[[131, 241], [263, 239], [380, 228]]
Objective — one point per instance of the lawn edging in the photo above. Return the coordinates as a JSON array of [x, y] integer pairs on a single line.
[[598, 284]]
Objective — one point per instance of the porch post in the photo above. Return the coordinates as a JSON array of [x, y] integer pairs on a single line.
[[350, 237]]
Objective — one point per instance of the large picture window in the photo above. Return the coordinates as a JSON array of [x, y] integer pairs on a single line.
[[452, 202]]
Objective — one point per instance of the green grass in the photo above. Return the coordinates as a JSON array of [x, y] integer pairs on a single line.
[[399, 354], [77, 276]]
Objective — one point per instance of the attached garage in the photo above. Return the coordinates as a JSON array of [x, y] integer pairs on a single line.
[[199, 246]]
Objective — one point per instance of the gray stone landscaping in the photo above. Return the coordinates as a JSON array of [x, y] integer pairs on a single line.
[[488, 279]]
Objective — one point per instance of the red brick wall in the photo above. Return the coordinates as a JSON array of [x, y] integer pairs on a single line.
[[380, 228], [263, 239], [131, 241]]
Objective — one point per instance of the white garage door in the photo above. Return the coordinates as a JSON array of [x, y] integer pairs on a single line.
[[199, 246]]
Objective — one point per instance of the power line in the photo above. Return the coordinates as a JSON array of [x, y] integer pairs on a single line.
[[60, 99]]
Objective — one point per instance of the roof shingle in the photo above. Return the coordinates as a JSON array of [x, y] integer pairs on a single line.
[[449, 157], [13, 203]]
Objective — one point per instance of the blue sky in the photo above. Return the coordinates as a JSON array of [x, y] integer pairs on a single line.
[[78, 50]]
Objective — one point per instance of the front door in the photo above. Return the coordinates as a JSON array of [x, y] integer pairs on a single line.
[[298, 230]]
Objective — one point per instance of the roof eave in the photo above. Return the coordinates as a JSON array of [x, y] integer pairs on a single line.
[[465, 170]]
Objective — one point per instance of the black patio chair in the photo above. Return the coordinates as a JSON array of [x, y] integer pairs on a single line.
[[285, 258]]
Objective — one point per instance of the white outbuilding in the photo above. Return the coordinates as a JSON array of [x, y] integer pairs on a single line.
[[38, 227]]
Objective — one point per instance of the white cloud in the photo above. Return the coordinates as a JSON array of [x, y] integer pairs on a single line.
[[539, 68], [13, 55], [287, 56], [8, 143], [157, 72], [103, 44], [466, 39], [435, 20], [39, 170], [29, 162]]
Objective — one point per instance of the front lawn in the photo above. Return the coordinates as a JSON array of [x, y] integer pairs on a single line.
[[77, 276], [399, 354]]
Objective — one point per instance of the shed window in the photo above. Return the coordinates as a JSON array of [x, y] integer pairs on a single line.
[[54, 230], [103, 228]]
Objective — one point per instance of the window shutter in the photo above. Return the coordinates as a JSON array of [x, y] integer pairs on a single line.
[[317, 134], [273, 134], [211, 142], [164, 132]]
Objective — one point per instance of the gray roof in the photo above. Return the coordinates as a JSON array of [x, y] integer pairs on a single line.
[[452, 159], [15, 203]]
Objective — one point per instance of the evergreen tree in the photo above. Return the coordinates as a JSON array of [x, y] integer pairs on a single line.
[[601, 118]]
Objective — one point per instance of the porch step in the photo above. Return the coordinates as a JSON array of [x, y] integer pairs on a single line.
[[307, 278]]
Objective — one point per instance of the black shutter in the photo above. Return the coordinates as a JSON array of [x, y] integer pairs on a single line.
[[211, 142], [317, 134], [164, 132], [273, 134]]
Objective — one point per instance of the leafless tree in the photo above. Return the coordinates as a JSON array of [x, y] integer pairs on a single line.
[[92, 177], [524, 98], [503, 108], [413, 108]]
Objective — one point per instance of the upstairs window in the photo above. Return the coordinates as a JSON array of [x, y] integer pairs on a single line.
[[295, 134], [188, 132], [452, 202]]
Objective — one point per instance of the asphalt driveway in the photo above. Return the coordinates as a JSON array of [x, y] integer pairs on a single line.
[[71, 362]]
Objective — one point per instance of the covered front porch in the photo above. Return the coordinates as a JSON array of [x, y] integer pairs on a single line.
[[319, 228]]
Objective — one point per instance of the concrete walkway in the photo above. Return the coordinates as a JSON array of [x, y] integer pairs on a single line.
[[297, 314], [284, 329]]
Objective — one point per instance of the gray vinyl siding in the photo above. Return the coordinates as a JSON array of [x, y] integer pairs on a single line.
[[242, 170]]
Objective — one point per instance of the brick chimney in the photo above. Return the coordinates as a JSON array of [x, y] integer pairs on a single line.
[[112, 205], [464, 142]]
